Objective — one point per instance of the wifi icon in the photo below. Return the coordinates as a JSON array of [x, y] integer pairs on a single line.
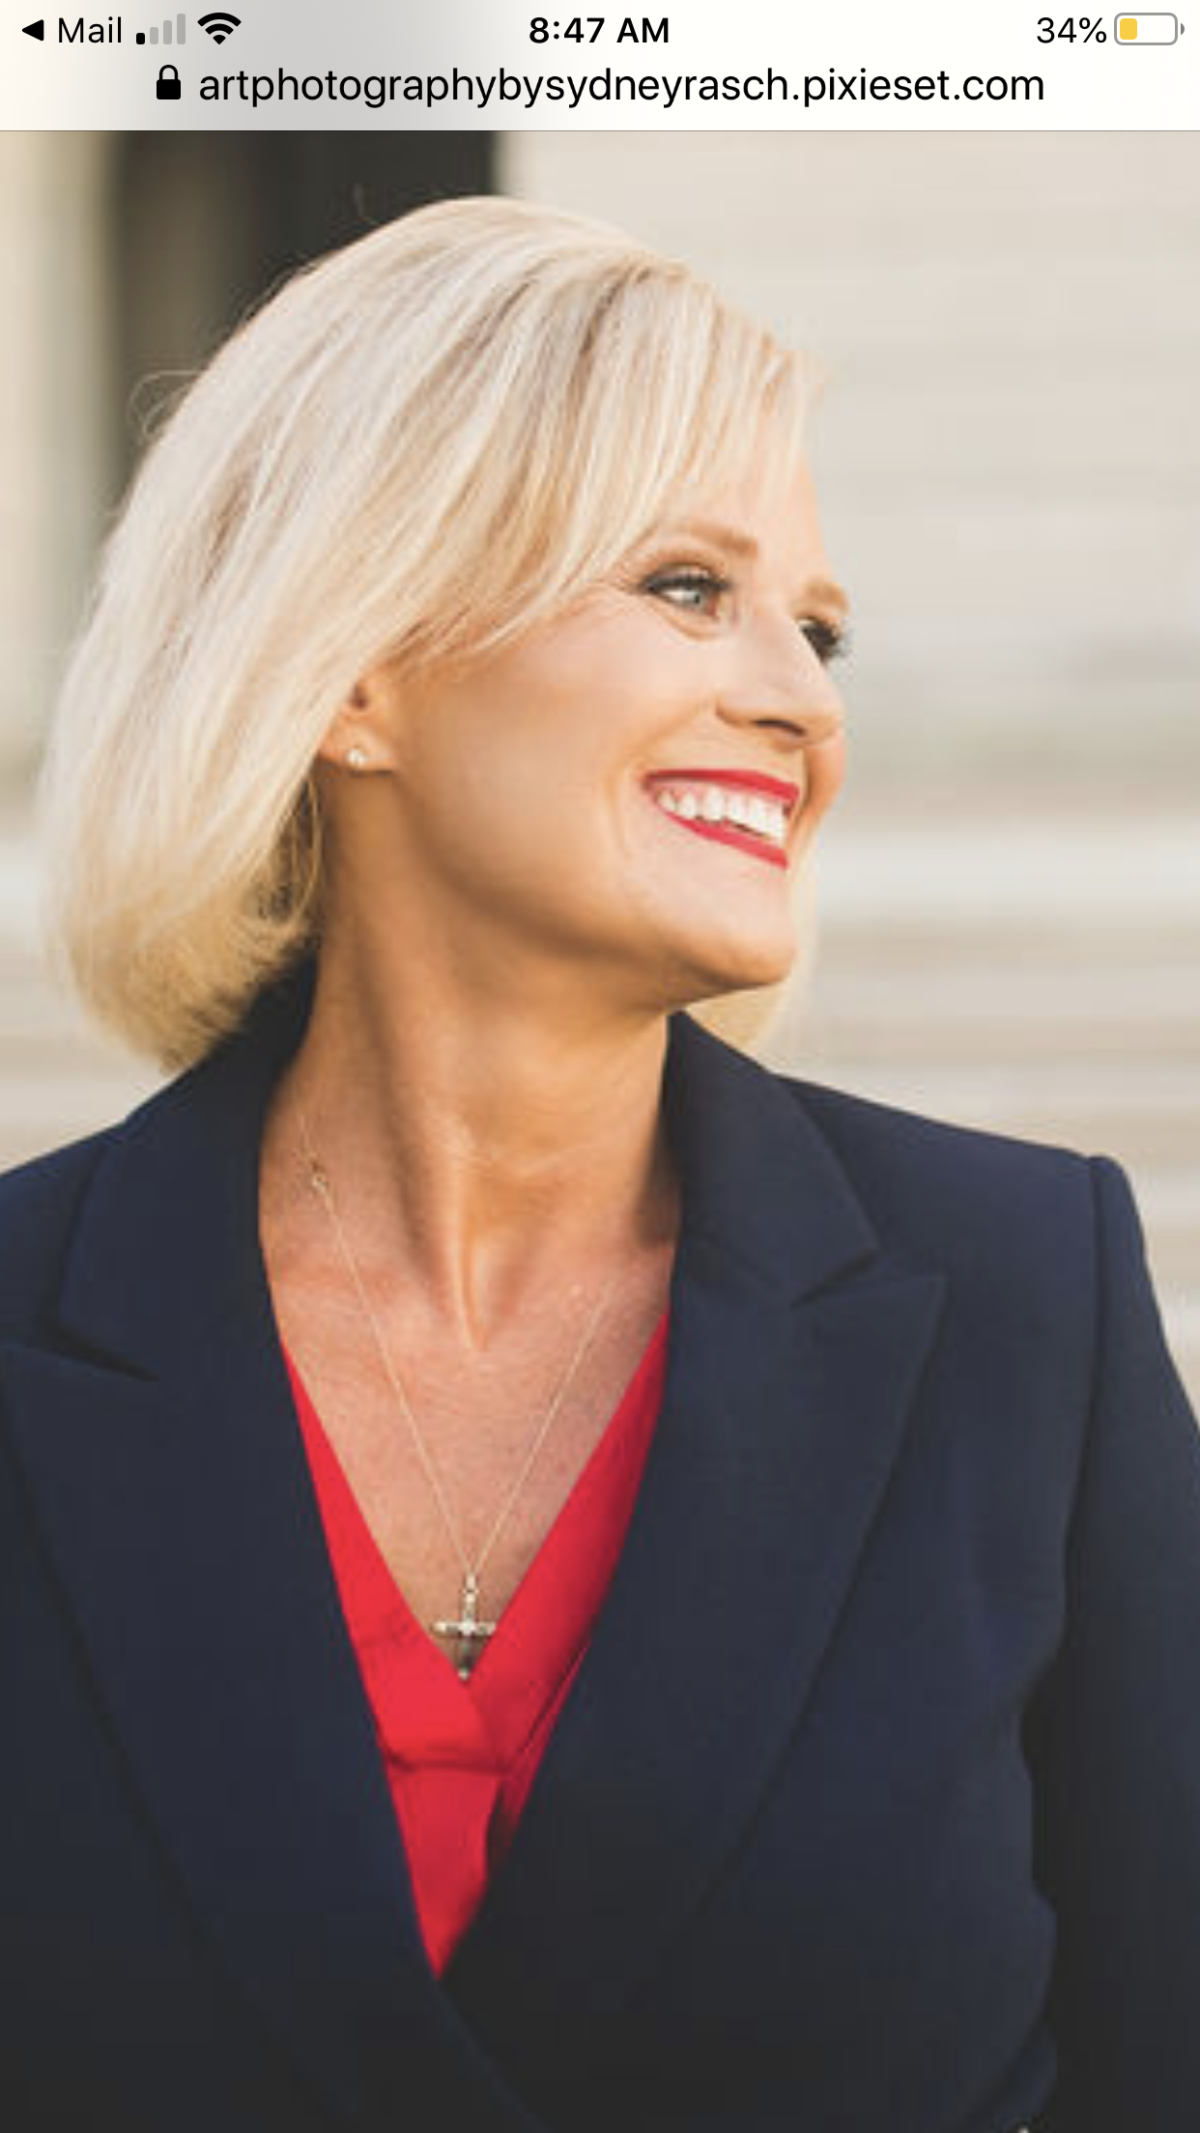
[[219, 26]]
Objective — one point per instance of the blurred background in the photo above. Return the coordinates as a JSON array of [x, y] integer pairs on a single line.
[[1009, 452]]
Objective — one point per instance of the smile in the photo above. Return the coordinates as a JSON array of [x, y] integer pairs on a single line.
[[745, 809]]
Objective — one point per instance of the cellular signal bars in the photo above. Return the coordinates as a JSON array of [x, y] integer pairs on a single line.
[[172, 32]]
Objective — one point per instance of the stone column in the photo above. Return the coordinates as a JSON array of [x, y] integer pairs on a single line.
[[54, 422]]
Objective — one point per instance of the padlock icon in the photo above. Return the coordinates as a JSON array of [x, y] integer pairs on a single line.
[[170, 88]]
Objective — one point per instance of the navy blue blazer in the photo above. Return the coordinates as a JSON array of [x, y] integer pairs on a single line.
[[875, 1807]]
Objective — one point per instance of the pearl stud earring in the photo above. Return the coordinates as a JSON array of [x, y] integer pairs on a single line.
[[356, 758]]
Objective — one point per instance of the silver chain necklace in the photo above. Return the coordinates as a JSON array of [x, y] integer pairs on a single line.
[[467, 1631]]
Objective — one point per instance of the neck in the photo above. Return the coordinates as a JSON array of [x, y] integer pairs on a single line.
[[479, 1149]]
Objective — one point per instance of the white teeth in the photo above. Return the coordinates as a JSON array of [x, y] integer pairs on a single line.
[[758, 812]]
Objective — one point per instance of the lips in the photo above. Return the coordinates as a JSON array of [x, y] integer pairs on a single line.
[[747, 809], [784, 789]]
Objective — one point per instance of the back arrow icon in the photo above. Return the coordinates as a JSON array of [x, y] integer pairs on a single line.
[[34, 29]]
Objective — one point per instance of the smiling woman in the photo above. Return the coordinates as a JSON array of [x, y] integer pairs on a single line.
[[554, 1579], [418, 450]]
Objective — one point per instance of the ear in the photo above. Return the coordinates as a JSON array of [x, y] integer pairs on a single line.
[[362, 736]]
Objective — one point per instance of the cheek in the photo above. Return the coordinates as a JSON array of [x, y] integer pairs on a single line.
[[517, 797], [825, 768]]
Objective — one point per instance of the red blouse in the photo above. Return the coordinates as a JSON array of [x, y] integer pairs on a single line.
[[460, 1756]]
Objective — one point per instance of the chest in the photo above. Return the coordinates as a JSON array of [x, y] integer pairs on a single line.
[[458, 1460]]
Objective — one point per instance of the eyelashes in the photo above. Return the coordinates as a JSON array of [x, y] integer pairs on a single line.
[[697, 592], [700, 592], [828, 640]]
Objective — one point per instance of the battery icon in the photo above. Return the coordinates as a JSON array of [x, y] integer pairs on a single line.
[[1147, 29]]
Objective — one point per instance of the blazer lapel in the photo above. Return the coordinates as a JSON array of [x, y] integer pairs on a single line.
[[163, 1453], [794, 1354]]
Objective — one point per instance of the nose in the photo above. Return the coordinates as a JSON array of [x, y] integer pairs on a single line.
[[782, 688]]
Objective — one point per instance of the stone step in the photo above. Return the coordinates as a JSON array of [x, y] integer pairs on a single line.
[[892, 864], [981, 992]]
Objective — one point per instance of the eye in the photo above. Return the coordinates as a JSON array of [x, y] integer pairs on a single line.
[[694, 591], [827, 640]]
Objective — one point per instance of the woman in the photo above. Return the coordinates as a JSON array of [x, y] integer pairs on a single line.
[[554, 1580]]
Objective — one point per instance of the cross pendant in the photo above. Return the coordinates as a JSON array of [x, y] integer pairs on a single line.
[[468, 1631]]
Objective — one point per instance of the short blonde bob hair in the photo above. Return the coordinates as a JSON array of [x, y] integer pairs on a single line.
[[418, 447]]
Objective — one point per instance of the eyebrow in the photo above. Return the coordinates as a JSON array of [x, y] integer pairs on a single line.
[[826, 590]]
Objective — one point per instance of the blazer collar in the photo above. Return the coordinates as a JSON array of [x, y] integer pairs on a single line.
[[163, 1451], [167, 1244]]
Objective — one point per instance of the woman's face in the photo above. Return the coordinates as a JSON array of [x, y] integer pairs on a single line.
[[627, 789]]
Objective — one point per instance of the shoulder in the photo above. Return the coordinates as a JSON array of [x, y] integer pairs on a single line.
[[1041, 1248], [39, 1201], [979, 1199], [885, 1145]]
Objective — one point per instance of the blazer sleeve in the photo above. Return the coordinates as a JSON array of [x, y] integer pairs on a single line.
[[1114, 1740]]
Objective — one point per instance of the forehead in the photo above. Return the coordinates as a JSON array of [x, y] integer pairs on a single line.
[[766, 514]]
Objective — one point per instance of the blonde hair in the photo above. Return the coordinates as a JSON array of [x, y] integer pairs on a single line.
[[418, 447]]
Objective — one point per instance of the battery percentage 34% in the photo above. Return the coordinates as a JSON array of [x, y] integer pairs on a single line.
[[1075, 29]]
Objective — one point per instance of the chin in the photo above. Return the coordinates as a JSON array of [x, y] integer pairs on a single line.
[[754, 960], [742, 968]]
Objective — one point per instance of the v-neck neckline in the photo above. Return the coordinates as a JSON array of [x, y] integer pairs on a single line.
[[490, 1717]]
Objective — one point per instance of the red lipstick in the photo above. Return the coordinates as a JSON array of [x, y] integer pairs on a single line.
[[743, 780], [743, 840], [728, 833]]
